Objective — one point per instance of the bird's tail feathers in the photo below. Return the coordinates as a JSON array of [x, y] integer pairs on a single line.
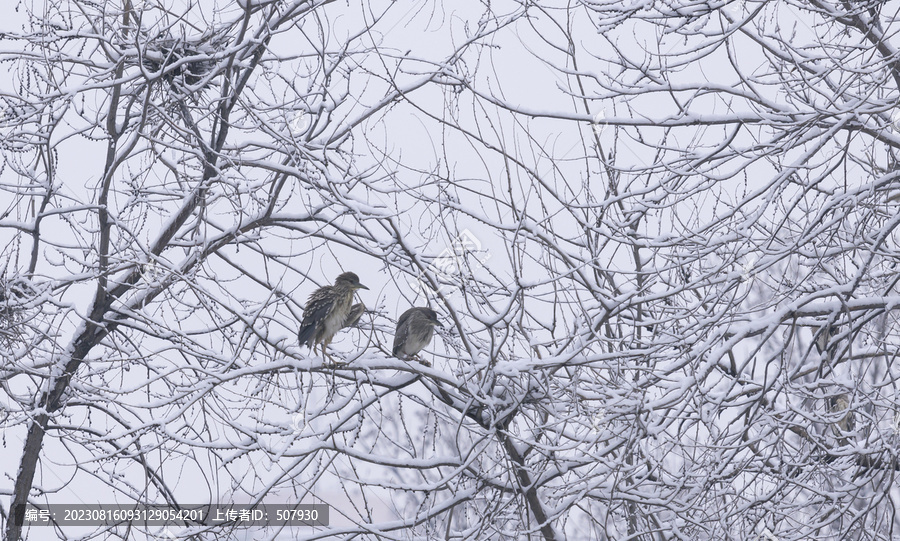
[[306, 335]]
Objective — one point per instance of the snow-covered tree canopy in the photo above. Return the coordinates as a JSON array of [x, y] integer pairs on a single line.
[[661, 238]]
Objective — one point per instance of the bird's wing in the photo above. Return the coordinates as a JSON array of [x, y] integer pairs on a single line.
[[402, 331], [399, 337], [353, 316], [316, 309], [404, 317]]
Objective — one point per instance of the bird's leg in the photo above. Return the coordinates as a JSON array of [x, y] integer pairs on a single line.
[[325, 354]]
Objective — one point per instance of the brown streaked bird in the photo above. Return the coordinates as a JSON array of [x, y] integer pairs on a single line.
[[841, 404], [415, 328], [330, 309]]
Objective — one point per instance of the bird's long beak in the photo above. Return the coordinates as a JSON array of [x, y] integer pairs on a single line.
[[360, 286]]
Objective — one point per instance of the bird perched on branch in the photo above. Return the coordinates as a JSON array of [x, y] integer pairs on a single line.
[[840, 405], [414, 331], [330, 309]]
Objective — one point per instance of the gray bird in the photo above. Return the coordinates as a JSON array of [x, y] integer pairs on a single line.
[[414, 331], [328, 310]]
